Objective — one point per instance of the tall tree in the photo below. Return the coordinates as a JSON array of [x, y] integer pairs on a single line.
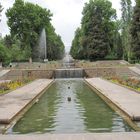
[[76, 48], [26, 22], [97, 24], [1, 8], [135, 32], [116, 50], [126, 24]]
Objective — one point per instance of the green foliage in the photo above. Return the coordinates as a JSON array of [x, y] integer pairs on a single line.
[[0, 10], [126, 24], [4, 54], [76, 49], [135, 32], [116, 50], [55, 45], [26, 22], [8, 41], [94, 40]]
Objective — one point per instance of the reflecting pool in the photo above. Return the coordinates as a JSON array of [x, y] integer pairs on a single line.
[[84, 112]]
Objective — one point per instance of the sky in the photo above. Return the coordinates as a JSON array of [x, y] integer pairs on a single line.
[[66, 18]]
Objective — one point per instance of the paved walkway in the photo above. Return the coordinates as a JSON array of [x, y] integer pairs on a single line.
[[93, 136], [135, 69], [125, 99], [3, 72], [12, 103]]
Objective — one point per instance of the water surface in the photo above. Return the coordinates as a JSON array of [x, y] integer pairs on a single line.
[[86, 112]]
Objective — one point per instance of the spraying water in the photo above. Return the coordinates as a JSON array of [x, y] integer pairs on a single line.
[[43, 45]]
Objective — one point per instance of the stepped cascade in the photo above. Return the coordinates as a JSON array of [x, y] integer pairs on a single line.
[[68, 70]]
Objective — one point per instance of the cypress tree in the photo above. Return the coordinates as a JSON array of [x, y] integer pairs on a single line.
[[0, 10], [135, 32], [97, 25], [126, 24]]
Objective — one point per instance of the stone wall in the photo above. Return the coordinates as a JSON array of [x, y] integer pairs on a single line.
[[35, 74], [138, 66], [89, 73], [95, 64], [109, 72]]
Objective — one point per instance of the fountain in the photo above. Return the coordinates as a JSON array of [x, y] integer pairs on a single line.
[[43, 46]]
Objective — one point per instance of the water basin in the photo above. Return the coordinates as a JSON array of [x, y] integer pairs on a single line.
[[84, 113]]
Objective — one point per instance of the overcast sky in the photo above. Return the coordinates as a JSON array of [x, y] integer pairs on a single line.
[[66, 16]]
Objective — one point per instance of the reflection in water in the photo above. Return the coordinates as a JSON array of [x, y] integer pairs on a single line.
[[86, 112]]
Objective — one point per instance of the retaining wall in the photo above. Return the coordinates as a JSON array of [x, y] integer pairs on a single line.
[[107, 72], [35, 74], [89, 73]]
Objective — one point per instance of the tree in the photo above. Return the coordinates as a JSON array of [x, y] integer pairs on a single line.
[[76, 48], [4, 54], [96, 29], [26, 22], [1, 9], [126, 24], [116, 49], [135, 32], [8, 41]]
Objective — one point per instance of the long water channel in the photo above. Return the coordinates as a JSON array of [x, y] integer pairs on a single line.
[[84, 112]]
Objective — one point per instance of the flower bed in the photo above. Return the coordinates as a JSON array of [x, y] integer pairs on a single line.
[[133, 83], [12, 85]]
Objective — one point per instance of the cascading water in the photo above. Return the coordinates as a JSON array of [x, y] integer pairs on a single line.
[[67, 61], [43, 45], [68, 70], [69, 73]]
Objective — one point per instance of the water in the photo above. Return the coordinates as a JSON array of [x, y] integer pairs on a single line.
[[43, 45], [68, 70], [68, 61], [69, 73], [86, 112]]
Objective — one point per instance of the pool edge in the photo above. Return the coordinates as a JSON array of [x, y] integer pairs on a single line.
[[114, 107], [23, 111]]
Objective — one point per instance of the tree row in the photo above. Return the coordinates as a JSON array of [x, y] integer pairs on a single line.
[[103, 36], [26, 22]]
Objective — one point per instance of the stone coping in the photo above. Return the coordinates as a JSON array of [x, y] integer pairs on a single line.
[[127, 100], [68, 69], [85, 136], [14, 102]]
